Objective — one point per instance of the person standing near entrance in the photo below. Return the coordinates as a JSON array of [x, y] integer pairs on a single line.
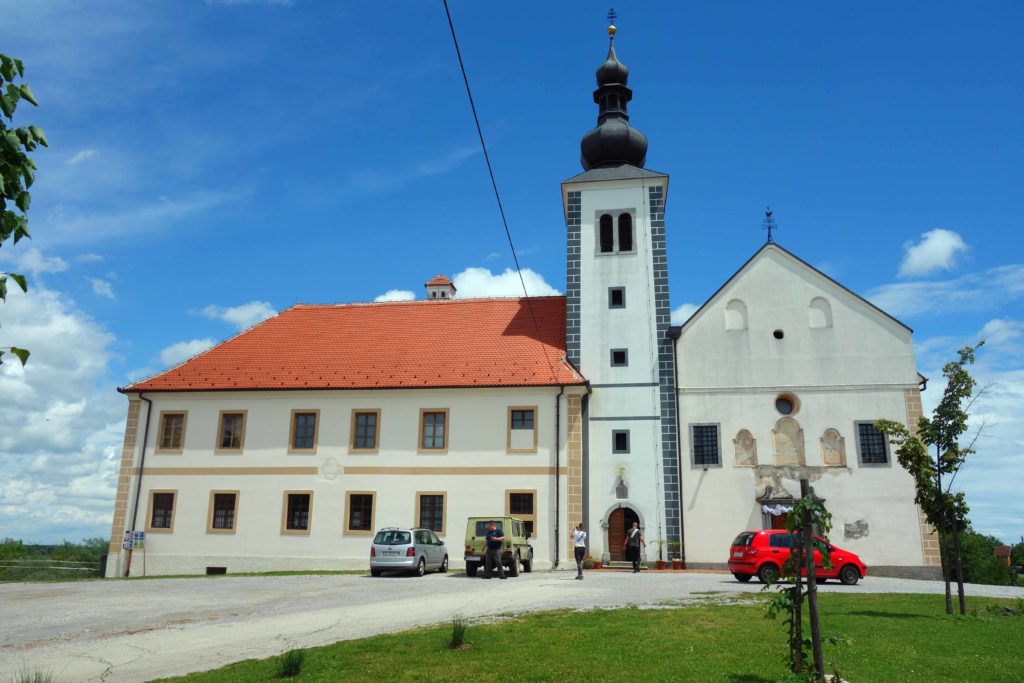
[[634, 539], [579, 547], [495, 539]]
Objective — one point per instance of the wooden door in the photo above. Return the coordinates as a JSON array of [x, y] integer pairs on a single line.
[[779, 521], [616, 532]]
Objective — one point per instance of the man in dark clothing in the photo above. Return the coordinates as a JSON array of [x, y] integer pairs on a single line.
[[495, 539], [634, 538]]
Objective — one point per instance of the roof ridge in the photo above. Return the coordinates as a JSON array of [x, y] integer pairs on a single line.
[[430, 302]]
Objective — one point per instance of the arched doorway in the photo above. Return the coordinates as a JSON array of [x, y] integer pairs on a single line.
[[619, 521]]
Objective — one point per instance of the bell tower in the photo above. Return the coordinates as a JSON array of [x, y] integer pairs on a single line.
[[617, 321]]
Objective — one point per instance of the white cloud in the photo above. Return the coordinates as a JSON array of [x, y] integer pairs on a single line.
[[937, 250], [396, 295], [84, 155], [480, 282], [175, 353], [32, 260], [88, 258], [102, 287], [1000, 332], [973, 292], [681, 314], [242, 316], [61, 424], [372, 181]]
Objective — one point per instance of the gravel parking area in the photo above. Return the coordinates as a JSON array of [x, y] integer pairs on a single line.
[[131, 630]]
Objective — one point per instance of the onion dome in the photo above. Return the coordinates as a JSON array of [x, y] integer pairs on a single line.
[[614, 142]]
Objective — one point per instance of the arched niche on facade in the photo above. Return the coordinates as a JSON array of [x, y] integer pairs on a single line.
[[833, 448], [735, 315], [820, 313], [788, 442], [746, 449]]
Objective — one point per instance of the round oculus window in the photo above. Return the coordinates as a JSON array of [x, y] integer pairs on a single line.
[[787, 404], [778, 334]]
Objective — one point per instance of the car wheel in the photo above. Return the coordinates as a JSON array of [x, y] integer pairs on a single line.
[[743, 578], [849, 575], [374, 572], [528, 565], [421, 568], [513, 569], [768, 573], [444, 565], [471, 568]]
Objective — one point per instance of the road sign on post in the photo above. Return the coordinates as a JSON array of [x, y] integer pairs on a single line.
[[128, 542]]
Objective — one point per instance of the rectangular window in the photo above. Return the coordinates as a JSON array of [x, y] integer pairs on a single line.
[[171, 438], [231, 433], [522, 505], [360, 513], [620, 441], [522, 429], [304, 432], [161, 511], [704, 444], [365, 431], [223, 510], [298, 508], [616, 297], [620, 358], [434, 430], [430, 510], [871, 445]]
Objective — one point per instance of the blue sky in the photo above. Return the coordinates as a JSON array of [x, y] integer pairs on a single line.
[[212, 162]]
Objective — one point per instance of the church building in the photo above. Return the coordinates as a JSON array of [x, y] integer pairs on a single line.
[[287, 446]]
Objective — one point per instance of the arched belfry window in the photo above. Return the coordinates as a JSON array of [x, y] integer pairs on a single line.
[[625, 232], [607, 236]]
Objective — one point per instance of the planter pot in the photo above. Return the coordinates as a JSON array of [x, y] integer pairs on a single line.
[[677, 564], [660, 564], [597, 564]]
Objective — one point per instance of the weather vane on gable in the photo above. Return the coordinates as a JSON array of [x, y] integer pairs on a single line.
[[769, 223]]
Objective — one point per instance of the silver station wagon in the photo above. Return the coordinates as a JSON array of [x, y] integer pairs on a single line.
[[407, 550]]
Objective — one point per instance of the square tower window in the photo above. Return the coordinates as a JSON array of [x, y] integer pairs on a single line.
[[620, 441], [616, 297], [620, 358]]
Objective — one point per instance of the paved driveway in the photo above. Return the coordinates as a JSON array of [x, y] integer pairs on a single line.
[[133, 630]]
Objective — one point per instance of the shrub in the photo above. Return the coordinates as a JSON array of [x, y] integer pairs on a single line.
[[458, 640], [290, 664]]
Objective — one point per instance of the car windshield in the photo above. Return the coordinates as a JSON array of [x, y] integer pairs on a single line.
[[481, 528], [392, 537], [743, 539]]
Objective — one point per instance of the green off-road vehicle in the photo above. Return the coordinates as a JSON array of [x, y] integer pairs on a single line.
[[516, 554]]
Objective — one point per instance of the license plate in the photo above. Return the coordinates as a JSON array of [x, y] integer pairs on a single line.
[[737, 553], [472, 557], [391, 553]]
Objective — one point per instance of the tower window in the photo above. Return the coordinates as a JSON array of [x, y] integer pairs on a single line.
[[616, 297], [620, 441], [620, 358], [607, 236], [625, 232]]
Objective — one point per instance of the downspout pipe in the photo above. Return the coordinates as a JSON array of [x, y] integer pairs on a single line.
[[558, 476], [138, 483], [674, 333]]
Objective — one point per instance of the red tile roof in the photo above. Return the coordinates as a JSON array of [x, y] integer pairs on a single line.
[[400, 344], [438, 280]]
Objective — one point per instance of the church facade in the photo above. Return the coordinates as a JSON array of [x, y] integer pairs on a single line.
[[289, 445]]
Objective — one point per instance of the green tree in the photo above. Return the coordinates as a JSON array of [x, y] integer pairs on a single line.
[[979, 561], [12, 549], [933, 475], [17, 171]]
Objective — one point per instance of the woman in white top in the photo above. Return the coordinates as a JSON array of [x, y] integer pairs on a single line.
[[579, 546]]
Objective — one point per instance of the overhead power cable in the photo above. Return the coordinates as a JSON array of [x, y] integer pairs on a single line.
[[494, 184]]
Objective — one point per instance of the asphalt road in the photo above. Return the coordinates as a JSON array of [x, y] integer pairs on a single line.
[[138, 630]]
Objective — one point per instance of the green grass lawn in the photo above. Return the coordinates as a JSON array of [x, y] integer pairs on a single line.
[[879, 638]]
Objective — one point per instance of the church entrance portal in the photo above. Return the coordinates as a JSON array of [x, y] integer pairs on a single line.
[[619, 521]]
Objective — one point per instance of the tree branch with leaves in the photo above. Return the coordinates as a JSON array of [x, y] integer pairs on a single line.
[[17, 172]]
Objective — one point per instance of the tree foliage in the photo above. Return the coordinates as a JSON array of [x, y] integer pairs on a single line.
[[17, 171]]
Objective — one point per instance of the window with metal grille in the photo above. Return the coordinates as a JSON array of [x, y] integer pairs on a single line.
[[521, 505], [223, 511], [433, 433], [304, 431], [522, 419], [366, 431], [298, 512], [871, 444], [231, 431], [163, 511], [360, 512], [432, 511], [704, 440]]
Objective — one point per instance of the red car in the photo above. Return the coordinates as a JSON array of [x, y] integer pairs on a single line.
[[761, 554]]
